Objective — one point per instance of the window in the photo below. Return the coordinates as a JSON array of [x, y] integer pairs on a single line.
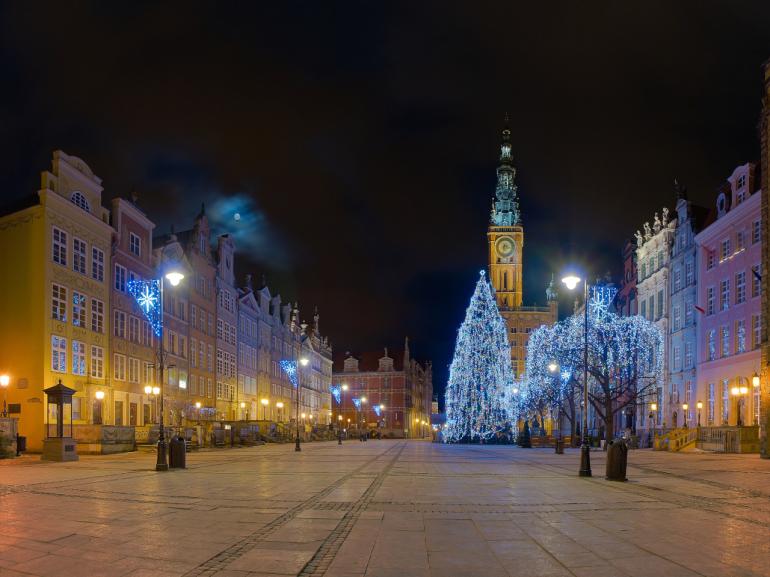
[[209, 388], [148, 376], [183, 346], [119, 367], [756, 331], [712, 345], [135, 244], [59, 246], [146, 334], [677, 358], [756, 284], [689, 273], [201, 355], [78, 256], [643, 272], [193, 353], [651, 307], [220, 362], [79, 199], [688, 313], [118, 413], [133, 329], [710, 259], [58, 354], [220, 329], [97, 316], [756, 231], [725, 400], [711, 403], [78, 310], [725, 332], [740, 336], [740, 287], [133, 370], [660, 259], [120, 278], [724, 249], [710, 300], [677, 279], [755, 398], [193, 315], [59, 303], [97, 362], [78, 358], [724, 291], [740, 241], [688, 360], [660, 305], [97, 264], [677, 314], [210, 358], [119, 324], [211, 324], [643, 310]]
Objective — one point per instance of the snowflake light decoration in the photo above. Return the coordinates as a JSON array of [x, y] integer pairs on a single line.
[[357, 403], [377, 410], [147, 295], [290, 368], [336, 392]]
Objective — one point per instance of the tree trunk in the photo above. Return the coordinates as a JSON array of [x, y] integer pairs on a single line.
[[609, 420]]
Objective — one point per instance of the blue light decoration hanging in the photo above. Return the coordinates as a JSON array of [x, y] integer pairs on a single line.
[[479, 394], [357, 403], [290, 368], [147, 295], [377, 410], [336, 392]]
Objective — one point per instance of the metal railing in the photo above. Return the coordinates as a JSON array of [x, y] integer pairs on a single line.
[[726, 439]]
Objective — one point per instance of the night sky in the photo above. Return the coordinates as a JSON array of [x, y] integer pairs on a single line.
[[358, 141]]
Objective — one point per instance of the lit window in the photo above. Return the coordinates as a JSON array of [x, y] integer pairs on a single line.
[[78, 256], [58, 354], [59, 303], [78, 358], [59, 246], [97, 264], [135, 244]]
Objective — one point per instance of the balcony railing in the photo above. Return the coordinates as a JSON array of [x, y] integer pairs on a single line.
[[729, 439]]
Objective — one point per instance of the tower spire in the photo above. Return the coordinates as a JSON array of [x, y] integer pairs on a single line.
[[505, 211]]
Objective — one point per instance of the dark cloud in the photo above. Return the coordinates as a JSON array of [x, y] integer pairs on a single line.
[[361, 138]]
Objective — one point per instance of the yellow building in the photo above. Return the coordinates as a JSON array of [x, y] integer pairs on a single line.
[[505, 236], [55, 258]]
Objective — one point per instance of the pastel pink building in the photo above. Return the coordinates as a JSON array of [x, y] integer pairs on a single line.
[[729, 328]]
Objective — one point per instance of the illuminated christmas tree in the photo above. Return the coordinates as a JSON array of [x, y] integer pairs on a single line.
[[480, 376]]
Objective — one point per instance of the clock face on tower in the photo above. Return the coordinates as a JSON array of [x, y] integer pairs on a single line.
[[504, 247]]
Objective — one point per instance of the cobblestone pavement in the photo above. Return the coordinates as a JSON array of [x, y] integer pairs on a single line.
[[385, 509]]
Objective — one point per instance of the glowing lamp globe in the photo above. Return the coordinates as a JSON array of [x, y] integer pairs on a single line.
[[197, 404], [148, 390], [4, 380], [571, 281], [156, 390], [265, 402], [279, 404], [553, 367], [174, 277], [243, 405], [303, 361], [754, 380], [345, 386], [99, 395]]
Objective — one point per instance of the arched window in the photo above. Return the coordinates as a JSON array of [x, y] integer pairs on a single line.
[[79, 199]]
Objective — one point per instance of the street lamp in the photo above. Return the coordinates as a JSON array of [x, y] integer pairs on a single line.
[[571, 282], [754, 380], [339, 429], [279, 406], [699, 405], [653, 408], [4, 382], [265, 403], [740, 392], [685, 406], [553, 367], [243, 406], [303, 361]]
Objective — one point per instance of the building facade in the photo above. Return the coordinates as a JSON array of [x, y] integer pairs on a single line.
[[505, 237], [229, 402], [56, 248], [764, 137], [729, 331], [388, 394], [626, 303], [248, 353], [653, 261], [683, 340], [133, 345]]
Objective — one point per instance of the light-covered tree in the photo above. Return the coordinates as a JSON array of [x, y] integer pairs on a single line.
[[481, 374]]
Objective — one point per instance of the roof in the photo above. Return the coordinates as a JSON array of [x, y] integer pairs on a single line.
[[369, 361]]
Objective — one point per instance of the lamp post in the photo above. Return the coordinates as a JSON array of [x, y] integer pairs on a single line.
[[699, 405], [339, 429], [571, 282], [653, 408], [243, 412], [279, 406], [363, 411], [740, 392], [755, 384], [265, 403], [685, 406], [4, 382], [303, 361]]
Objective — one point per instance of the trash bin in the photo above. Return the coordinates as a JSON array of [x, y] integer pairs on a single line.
[[617, 460], [176, 453], [21, 445], [559, 446]]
